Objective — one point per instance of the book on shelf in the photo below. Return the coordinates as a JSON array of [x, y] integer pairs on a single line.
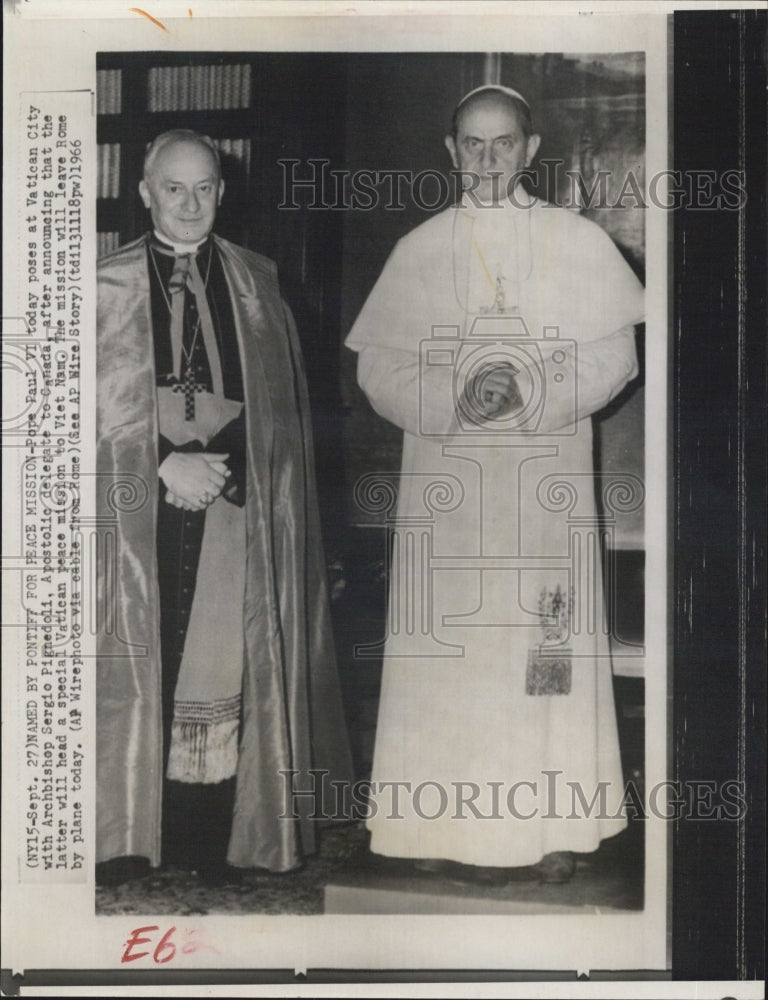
[[184, 74], [108, 170], [114, 170], [196, 90], [238, 149], [199, 88], [106, 243], [108, 91]]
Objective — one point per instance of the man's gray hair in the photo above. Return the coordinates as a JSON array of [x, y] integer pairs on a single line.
[[178, 135]]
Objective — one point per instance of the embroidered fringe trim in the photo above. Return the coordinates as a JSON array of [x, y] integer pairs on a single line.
[[204, 741]]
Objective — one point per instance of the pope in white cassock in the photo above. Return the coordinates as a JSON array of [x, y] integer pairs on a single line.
[[497, 328]]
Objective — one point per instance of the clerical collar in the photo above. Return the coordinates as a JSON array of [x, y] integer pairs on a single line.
[[519, 199], [179, 248]]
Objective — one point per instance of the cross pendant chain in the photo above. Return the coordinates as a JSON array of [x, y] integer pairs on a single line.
[[499, 300], [189, 386]]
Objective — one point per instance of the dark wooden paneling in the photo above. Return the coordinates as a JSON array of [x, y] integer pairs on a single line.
[[719, 386]]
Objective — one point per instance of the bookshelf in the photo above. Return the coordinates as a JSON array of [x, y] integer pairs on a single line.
[[139, 96], [259, 107]]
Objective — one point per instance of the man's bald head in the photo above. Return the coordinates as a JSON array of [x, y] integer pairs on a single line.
[[178, 135], [494, 96]]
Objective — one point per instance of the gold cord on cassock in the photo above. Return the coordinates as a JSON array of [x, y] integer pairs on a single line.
[[499, 305]]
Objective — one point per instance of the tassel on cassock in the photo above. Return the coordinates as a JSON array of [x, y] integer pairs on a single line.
[[204, 742]]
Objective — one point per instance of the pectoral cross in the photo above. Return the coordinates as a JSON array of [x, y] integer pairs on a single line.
[[189, 386]]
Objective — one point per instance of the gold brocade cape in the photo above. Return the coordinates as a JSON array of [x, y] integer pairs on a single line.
[[293, 718]]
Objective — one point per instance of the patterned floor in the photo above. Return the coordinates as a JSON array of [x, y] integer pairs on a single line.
[[182, 894], [611, 877]]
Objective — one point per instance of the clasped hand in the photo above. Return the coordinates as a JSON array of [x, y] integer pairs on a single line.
[[193, 480], [494, 392]]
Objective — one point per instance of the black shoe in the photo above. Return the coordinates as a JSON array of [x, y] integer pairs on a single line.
[[495, 877], [116, 871], [220, 875], [433, 866], [454, 871], [556, 868]]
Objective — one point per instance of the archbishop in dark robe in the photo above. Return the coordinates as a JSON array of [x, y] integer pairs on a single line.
[[217, 688]]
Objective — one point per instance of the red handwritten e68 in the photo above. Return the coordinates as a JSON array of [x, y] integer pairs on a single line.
[[165, 949]]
